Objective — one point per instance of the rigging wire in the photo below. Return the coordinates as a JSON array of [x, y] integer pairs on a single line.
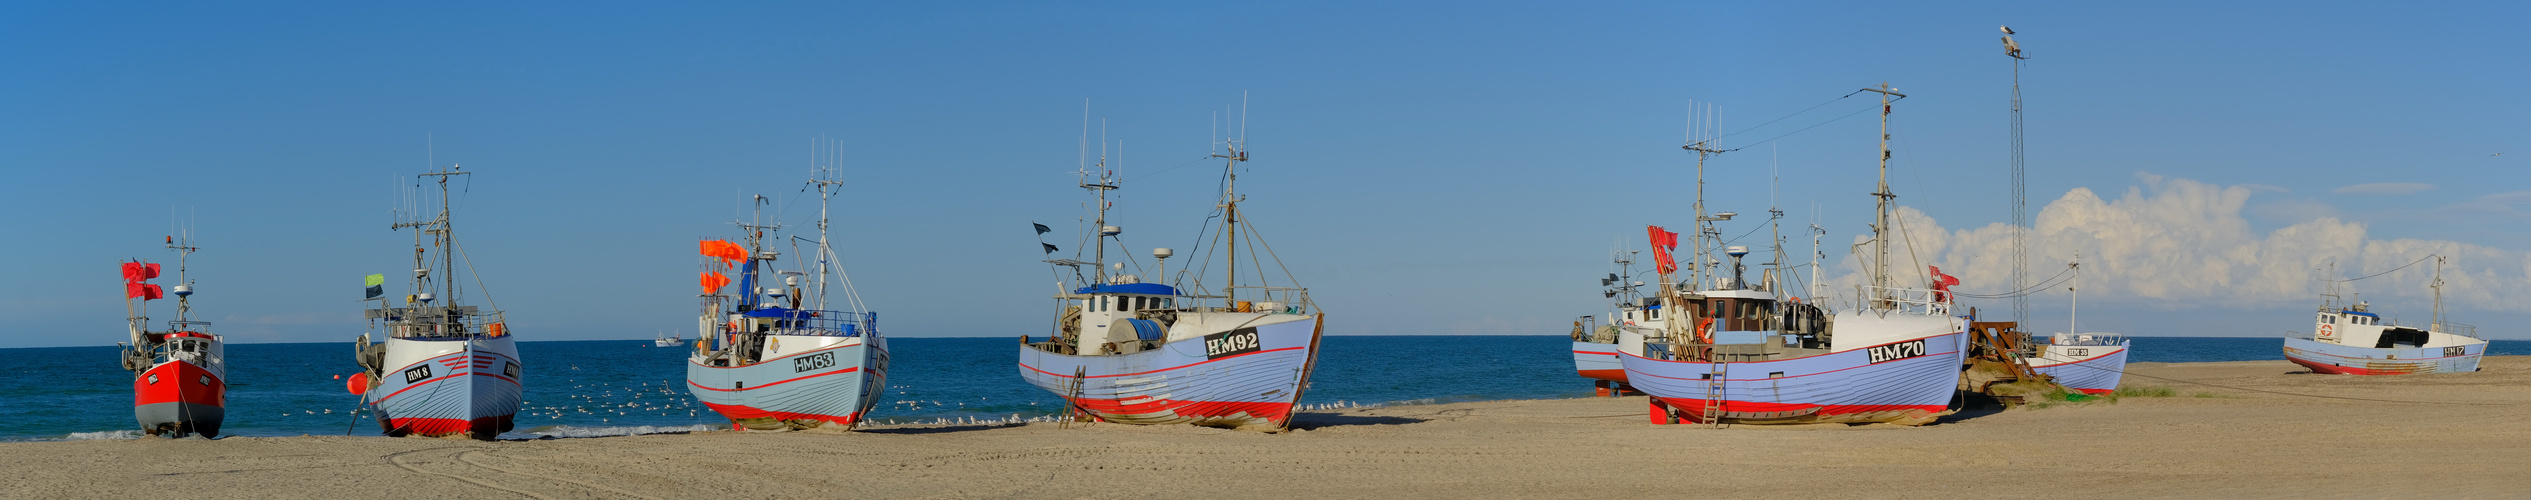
[[2396, 269], [2033, 289]]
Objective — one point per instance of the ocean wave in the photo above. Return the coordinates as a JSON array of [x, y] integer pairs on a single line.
[[82, 436]]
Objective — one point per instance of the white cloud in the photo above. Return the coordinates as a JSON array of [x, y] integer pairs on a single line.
[[2385, 188], [2179, 243]]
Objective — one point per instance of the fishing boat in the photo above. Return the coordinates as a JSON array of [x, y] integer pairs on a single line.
[[1125, 351], [436, 367], [2353, 340], [2089, 363], [1632, 316], [1743, 353], [667, 340], [180, 375], [773, 354]]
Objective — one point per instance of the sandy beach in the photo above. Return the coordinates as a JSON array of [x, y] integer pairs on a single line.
[[2434, 436]]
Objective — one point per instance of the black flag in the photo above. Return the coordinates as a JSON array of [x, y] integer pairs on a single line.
[[1042, 229], [1050, 248]]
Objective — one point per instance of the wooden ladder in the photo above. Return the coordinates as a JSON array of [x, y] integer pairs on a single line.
[[1714, 392]]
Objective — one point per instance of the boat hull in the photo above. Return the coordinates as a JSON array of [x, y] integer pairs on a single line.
[[470, 389], [1595, 360], [179, 398], [1910, 387], [1182, 382], [2346, 360], [2089, 372], [831, 385]]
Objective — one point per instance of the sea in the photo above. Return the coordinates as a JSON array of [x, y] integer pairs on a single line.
[[622, 387]]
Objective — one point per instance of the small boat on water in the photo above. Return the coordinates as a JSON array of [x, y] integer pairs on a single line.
[[180, 375], [1739, 353], [2353, 340], [1126, 351], [773, 354], [440, 368], [667, 340]]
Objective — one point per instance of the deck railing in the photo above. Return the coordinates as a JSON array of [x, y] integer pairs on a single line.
[[829, 323], [1295, 300], [1905, 300]]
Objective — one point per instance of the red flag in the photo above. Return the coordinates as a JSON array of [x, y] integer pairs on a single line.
[[1663, 242], [712, 281], [1942, 284], [144, 291], [135, 272]]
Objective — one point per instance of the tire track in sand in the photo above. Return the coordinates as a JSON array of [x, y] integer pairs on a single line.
[[468, 456]]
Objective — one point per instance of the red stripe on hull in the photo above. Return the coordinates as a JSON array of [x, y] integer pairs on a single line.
[[2095, 392], [1272, 412], [1608, 375], [736, 412], [2325, 368], [179, 382]]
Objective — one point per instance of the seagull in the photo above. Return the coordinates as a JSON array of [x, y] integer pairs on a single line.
[[2007, 29]]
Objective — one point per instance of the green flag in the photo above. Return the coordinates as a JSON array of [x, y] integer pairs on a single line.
[[377, 286]]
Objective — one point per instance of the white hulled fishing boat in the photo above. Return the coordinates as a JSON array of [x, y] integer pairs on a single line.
[[440, 368], [773, 354], [2089, 363], [667, 340], [179, 375], [1741, 353], [2353, 340], [1126, 351]]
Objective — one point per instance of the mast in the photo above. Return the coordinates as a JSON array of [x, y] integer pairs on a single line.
[[184, 285], [2437, 323], [2020, 190], [2076, 290], [1235, 151], [827, 186], [1880, 228], [1106, 182], [438, 228]]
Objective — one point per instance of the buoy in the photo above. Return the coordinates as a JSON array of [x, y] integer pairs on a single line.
[[358, 384]]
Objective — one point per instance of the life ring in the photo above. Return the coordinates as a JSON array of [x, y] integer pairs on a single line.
[[2328, 330]]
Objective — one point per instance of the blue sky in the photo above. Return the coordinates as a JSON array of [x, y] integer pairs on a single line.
[[1424, 169]]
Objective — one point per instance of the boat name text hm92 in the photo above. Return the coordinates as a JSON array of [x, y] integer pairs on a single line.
[[1236, 342]]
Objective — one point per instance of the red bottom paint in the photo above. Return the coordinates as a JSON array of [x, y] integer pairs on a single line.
[[738, 412], [436, 427], [2325, 368], [1608, 375], [1275, 413], [2094, 392], [1696, 407]]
